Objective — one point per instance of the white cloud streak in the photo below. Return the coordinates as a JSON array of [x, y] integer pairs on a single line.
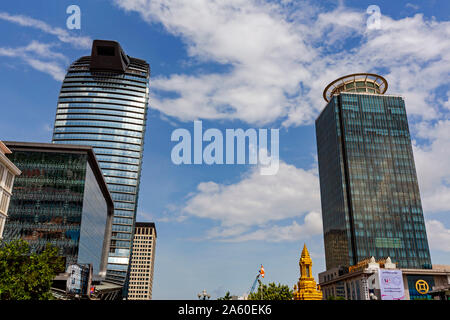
[[259, 202], [312, 226], [40, 57], [433, 165], [438, 235], [63, 35]]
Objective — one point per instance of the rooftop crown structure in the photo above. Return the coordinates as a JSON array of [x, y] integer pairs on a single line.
[[357, 82]]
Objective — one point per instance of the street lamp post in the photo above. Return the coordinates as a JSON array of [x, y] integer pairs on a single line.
[[203, 295]]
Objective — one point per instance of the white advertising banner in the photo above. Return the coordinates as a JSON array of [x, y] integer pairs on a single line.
[[391, 284]]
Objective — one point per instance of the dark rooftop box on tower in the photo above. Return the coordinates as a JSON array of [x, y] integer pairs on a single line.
[[108, 56]]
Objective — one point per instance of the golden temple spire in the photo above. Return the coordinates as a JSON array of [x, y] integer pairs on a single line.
[[305, 258], [306, 288], [305, 253]]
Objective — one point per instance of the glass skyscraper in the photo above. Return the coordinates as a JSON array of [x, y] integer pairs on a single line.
[[369, 192], [103, 103]]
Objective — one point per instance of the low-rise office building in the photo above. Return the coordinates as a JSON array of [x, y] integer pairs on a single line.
[[61, 198], [381, 280], [8, 171]]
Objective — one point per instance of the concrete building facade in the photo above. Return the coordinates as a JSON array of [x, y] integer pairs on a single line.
[[8, 171], [142, 262], [361, 282]]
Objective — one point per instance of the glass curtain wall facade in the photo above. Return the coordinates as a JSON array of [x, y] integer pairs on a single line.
[[59, 200], [48, 201], [369, 192], [103, 103]]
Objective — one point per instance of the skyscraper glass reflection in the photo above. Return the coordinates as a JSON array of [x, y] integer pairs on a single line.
[[61, 198], [103, 103], [369, 192]]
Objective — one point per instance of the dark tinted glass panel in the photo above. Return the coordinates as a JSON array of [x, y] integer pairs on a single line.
[[47, 201], [105, 51], [368, 182], [93, 222]]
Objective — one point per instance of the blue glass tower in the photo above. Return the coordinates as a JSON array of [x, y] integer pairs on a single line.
[[369, 192], [103, 104]]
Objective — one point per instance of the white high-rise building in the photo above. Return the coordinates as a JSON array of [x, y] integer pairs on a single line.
[[142, 262], [7, 173]]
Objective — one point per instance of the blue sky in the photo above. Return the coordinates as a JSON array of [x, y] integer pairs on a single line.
[[239, 64]]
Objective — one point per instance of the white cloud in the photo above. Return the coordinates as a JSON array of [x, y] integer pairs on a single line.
[[280, 58], [281, 55], [433, 165], [35, 48], [412, 6], [446, 104], [312, 226], [259, 201], [62, 34], [263, 49], [438, 236], [413, 53], [40, 57]]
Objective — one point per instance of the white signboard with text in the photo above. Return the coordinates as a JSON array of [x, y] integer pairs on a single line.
[[391, 284]]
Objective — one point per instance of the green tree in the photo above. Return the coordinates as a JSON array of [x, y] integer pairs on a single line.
[[271, 292], [226, 297], [26, 275]]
